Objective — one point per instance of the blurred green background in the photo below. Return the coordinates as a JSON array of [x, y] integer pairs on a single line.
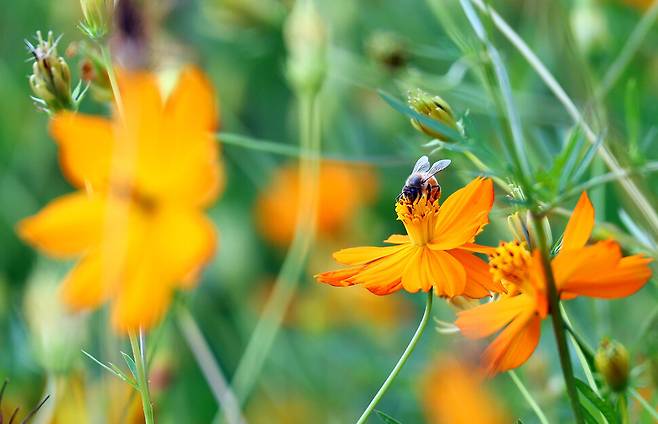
[[337, 345]]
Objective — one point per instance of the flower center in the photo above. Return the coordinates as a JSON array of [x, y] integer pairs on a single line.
[[418, 216], [509, 265]]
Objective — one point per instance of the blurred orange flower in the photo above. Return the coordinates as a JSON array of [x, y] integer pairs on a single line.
[[437, 251], [453, 393], [143, 179], [341, 189], [598, 270]]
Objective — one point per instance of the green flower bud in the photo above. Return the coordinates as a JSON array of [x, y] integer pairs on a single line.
[[611, 362], [306, 39], [96, 15], [51, 77], [437, 109]]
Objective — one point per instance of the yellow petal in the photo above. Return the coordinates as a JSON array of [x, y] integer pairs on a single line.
[[68, 226], [463, 215], [85, 286], [180, 242], [362, 255], [382, 275], [479, 282], [449, 276], [416, 274], [85, 148], [397, 239], [192, 103], [580, 225]]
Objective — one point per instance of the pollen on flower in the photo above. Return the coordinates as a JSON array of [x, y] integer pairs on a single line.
[[419, 216], [509, 265]]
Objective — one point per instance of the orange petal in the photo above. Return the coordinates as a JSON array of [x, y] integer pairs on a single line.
[[514, 345], [382, 275], [416, 275], [463, 215], [486, 319], [581, 263], [84, 287], [628, 276], [85, 147], [397, 239], [479, 282], [181, 241], [67, 226], [340, 278], [142, 299], [192, 103], [449, 275], [362, 255], [478, 248], [580, 225]]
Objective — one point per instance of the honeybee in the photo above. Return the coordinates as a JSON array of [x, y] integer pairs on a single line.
[[422, 180]]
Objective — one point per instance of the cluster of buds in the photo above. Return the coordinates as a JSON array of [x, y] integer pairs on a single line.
[[51, 77], [439, 122], [306, 39]]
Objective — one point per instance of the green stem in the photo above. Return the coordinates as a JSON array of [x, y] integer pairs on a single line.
[[403, 359], [556, 318], [623, 408], [109, 67], [528, 397], [137, 346]]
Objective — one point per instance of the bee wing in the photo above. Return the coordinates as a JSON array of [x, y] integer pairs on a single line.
[[422, 165], [439, 166]]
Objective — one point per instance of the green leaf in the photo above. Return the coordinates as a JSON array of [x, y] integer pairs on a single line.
[[412, 114], [566, 161], [601, 404], [113, 369], [387, 419], [587, 159], [131, 364]]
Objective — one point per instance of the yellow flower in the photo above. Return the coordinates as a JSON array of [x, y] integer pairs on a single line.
[[136, 222], [453, 393], [341, 191], [436, 253], [598, 271]]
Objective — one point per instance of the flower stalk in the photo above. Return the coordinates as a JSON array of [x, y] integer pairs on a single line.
[[137, 345], [403, 359], [556, 318]]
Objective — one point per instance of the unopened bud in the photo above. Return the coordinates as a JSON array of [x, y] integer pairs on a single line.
[[437, 110], [306, 39], [97, 15], [51, 78], [611, 361], [387, 49]]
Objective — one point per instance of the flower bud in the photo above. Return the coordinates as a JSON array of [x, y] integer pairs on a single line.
[[96, 15], [436, 109], [387, 49], [611, 361], [306, 39], [51, 77]]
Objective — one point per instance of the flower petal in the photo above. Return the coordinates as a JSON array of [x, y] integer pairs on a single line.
[[479, 281], [85, 147], [579, 264], [416, 274], [514, 345], [84, 287], [397, 239], [67, 226], [362, 255], [629, 276], [463, 215], [384, 275], [486, 319], [192, 103], [180, 242], [580, 225], [339, 278], [449, 276]]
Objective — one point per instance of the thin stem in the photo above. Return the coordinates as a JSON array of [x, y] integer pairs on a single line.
[[137, 346], [623, 408], [268, 325], [528, 397], [403, 359], [109, 67], [209, 367], [650, 409], [556, 318]]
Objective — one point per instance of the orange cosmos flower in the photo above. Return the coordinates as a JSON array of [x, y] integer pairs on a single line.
[[437, 251], [598, 270], [136, 221], [341, 190], [453, 393]]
